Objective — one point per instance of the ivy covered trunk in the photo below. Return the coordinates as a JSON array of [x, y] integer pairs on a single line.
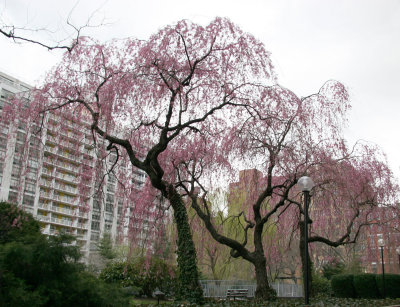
[[303, 260], [189, 288], [263, 290]]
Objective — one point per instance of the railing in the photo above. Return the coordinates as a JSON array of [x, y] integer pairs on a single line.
[[43, 218], [46, 171], [219, 288], [62, 210], [61, 222], [69, 156], [51, 149], [68, 167], [82, 214], [46, 183], [45, 195], [288, 290], [66, 188], [67, 177], [64, 199]]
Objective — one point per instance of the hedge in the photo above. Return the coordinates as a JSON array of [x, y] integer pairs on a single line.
[[365, 285], [392, 285], [342, 285]]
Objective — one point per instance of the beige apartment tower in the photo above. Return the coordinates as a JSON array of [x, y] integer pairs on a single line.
[[40, 172]]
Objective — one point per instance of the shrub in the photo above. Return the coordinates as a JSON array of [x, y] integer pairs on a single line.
[[392, 285], [16, 225], [142, 275], [365, 285], [335, 267], [342, 285], [40, 271], [320, 285]]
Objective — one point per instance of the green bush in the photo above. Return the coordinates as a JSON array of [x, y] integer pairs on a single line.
[[40, 271], [365, 285], [142, 275], [334, 267], [392, 285], [321, 285], [16, 225], [342, 286]]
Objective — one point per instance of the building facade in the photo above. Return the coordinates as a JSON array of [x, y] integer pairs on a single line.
[[44, 173]]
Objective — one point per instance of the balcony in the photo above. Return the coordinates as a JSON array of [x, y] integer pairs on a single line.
[[82, 214], [68, 167], [47, 195], [62, 210], [43, 218], [61, 221], [51, 139], [46, 171], [64, 199], [69, 156], [66, 188], [50, 161], [52, 150], [43, 206], [67, 177], [82, 226], [82, 237], [46, 183]]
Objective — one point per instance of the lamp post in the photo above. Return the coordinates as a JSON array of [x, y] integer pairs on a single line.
[[381, 244], [398, 253], [306, 184]]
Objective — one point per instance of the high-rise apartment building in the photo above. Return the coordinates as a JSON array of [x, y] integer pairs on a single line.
[[43, 174]]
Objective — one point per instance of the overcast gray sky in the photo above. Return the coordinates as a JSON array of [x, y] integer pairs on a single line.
[[354, 41]]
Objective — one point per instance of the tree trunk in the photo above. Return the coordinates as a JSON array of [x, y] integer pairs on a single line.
[[263, 290], [303, 260], [189, 287]]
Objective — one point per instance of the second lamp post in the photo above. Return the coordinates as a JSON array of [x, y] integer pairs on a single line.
[[381, 244], [306, 184]]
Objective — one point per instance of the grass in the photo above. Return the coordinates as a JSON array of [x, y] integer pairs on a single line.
[[280, 302]]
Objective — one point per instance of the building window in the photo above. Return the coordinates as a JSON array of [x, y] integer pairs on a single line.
[[28, 200], [95, 225], [12, 197], [109, 207]]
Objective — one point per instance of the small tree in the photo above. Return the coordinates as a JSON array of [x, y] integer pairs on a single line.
[[105, 247]]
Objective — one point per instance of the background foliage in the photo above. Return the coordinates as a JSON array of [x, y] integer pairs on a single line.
[[142, 275], [40, 271]]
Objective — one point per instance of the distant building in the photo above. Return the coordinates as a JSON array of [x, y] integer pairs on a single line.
[[41, 174], [385, 225]]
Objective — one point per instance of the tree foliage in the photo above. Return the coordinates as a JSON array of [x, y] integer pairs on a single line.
[[332, 268], [143, 275], [40, 271], [16, 224]]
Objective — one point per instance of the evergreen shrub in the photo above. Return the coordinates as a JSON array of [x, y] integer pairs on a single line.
[[365, 285], [321, 285], [392, 285], [342, 285]]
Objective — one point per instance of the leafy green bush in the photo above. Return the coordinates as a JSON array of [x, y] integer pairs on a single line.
[[143, 275], [365, 285], [321, 285], [342, 285], [40, 271], [334, 267], [392, 285], [15, 224]]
